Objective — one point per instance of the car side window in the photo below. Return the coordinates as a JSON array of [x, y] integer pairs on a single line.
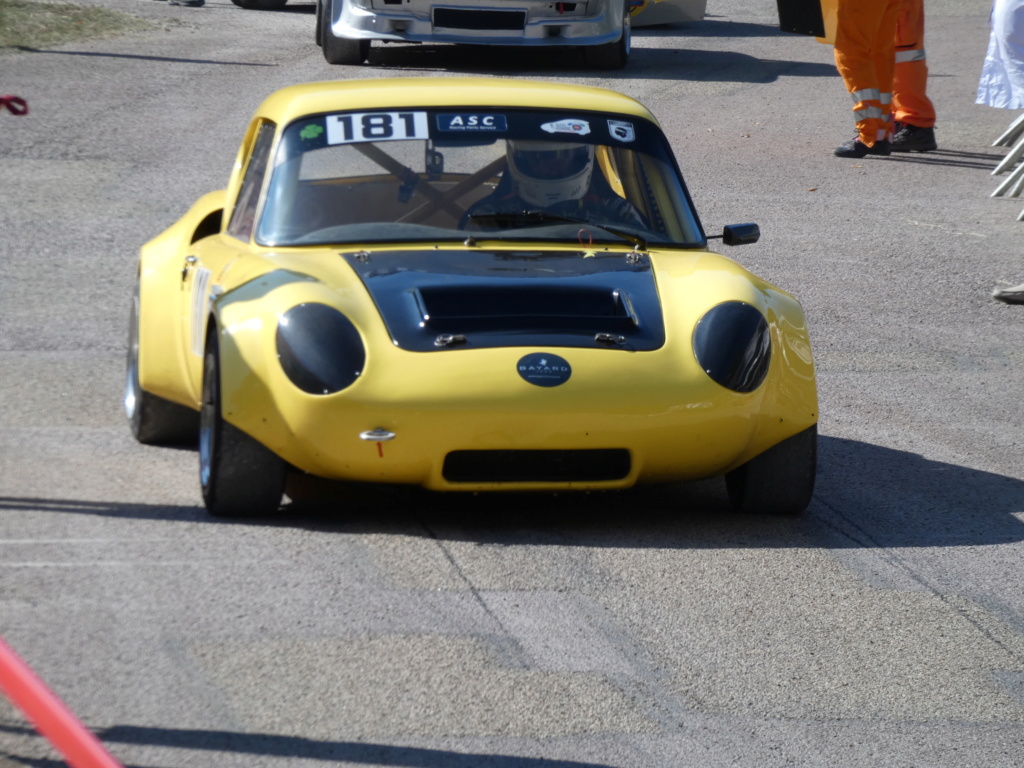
[[244, 215]]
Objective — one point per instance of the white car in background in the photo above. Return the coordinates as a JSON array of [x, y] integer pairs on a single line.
[[345, 28]]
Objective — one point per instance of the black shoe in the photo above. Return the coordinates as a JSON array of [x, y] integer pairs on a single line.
[[913, 138], [857, 148], [1014, 295]]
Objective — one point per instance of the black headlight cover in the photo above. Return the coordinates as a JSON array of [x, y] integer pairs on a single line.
[[733, 345], [319, 348]]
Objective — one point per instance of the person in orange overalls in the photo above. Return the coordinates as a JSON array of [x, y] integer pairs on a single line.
[[914, 113], [866, 57]]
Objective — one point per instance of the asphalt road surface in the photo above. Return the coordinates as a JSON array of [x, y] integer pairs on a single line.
[[886, 628]]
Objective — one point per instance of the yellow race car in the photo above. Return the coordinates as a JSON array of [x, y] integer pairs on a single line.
[[466, 284]]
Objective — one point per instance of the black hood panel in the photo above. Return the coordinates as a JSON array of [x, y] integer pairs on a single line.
[[433, 300]]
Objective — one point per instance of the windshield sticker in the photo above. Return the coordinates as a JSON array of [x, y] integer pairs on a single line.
[[311, 132], [579, 127], [471, 122], [621, 130], [376, 126]]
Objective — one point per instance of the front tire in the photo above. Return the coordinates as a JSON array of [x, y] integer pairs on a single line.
[[340, 50], [238, 475], [612, 55], [780, 481], [153, 420]]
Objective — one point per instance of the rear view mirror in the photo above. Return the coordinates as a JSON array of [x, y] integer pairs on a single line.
[[740, 234]]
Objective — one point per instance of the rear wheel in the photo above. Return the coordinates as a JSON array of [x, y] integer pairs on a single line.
[[612, 55], [153, 420], [238, 475], [340, 50], [261, 5], [780, 481]]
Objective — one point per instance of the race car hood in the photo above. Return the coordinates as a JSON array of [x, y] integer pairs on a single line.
[[437, 299]]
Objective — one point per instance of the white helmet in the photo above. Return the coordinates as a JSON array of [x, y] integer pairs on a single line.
[[548, 172]]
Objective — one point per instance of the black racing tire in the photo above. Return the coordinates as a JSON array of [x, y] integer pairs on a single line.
[[612, 55], [239, 476], [780, 481], [340, 50], [261, 5], [153, 420]]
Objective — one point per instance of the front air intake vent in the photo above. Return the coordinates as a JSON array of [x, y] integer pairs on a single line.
[[590, 465], [493, 21]]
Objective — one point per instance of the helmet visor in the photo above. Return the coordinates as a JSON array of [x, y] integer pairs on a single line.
[[550, 164]]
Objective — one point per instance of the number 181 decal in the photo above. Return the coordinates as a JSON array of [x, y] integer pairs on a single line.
[[376, 126]]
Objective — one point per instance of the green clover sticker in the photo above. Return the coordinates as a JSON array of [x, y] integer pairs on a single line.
[[311, 132]]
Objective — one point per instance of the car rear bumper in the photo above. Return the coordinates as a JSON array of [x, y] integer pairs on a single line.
[[497, 22]]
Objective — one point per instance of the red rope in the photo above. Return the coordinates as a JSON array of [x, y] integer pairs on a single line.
[[49, 715]]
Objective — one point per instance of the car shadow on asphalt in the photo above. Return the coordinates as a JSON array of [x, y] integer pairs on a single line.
[[650, 62], [867, 496], [142, 57], [647, 62], [267, 745]]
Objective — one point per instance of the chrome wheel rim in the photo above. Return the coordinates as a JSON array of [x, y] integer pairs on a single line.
[[131, 379], [207, 418]]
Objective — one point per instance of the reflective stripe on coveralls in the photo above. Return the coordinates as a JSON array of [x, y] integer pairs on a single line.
[[865, 39], [910, 78], [902, 57]]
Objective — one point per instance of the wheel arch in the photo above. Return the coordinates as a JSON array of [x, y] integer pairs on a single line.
[[162, 369], [248, 398], [789, 394]]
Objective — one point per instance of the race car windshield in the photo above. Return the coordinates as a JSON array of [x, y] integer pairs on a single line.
[[425, 176]]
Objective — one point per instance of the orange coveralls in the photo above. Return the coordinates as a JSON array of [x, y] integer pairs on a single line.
[[910, 82], [866, 58]]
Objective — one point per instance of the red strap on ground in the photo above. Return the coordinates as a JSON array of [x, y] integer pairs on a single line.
[[15, 104], [49, 715]]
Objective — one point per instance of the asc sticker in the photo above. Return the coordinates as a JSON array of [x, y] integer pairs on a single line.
[[376, 126], [544, 369], [471, 122]]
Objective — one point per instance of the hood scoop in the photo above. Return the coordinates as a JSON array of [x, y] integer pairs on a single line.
[[433, 300], [520, 308]]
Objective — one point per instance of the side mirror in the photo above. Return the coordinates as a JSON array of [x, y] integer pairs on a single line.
[[740, 234]]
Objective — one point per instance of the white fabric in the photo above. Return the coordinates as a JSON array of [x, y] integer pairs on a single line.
[[1002, 77]]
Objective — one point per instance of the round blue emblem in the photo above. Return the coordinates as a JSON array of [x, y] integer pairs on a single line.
[[544, 369]]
